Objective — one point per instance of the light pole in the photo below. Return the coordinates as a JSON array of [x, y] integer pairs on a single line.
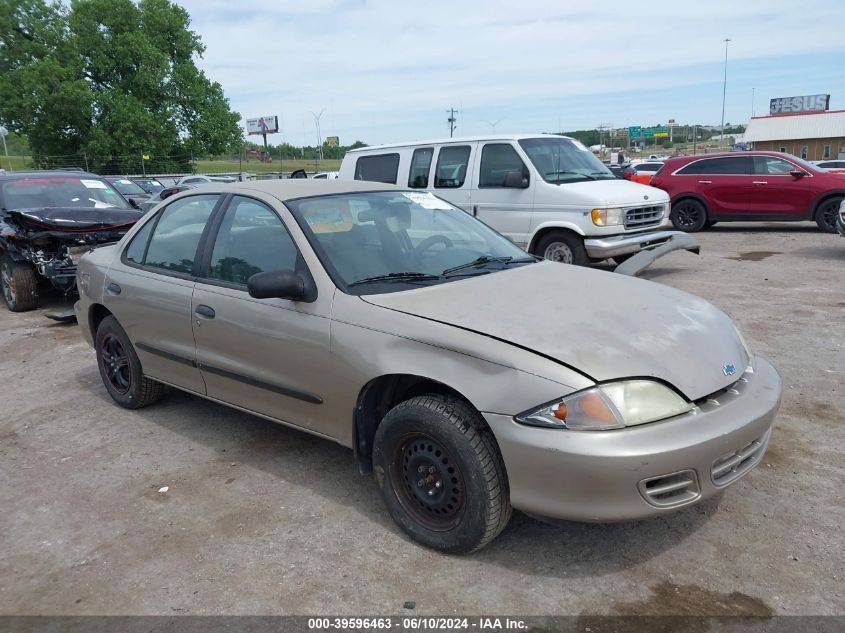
[[319, 137], [724, 88], [3, 133]]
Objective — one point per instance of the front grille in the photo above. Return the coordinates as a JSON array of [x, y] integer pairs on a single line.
[[667, 491], [731, 466], [643, 216]]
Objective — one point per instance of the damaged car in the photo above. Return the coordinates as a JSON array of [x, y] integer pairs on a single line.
[[48, 220], [467, 376]]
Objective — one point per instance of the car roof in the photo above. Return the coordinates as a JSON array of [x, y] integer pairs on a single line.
[[458, 139], [688, 159], [291, 188], [47, 173]]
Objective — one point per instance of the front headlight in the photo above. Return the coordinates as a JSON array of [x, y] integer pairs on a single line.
[[608, 217], [613, 405]]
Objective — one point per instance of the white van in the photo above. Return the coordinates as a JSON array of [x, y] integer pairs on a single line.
[[547, 193]]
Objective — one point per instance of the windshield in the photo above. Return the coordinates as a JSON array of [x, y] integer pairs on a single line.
[[128, 188], [561, 160], [150, 185], [60, 191], [375, 242]]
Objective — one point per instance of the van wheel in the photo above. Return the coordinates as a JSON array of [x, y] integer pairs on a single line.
[[121, 370], [688, 216], [20, 285], [826, 214], [563, 247], [440, 474]]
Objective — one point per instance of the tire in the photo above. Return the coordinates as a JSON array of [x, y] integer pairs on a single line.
[[120, 368], [463, 502], [19, 285], [825, 215], [563, 247], [688, 215]]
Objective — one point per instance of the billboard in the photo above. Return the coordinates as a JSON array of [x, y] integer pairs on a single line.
[[332, 141], [263, 125], [792, 105]]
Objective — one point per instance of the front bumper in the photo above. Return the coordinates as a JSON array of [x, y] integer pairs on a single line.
[[644, 471], [606, 247]]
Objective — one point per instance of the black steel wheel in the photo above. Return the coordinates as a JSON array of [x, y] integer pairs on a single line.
[[428, 482], [441, 474], [688, 215], [120, 368], [826, 214]]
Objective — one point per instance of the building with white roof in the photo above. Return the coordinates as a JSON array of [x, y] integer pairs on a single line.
[[810, 135]]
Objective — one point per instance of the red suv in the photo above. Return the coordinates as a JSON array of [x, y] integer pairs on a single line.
[[743, 186]]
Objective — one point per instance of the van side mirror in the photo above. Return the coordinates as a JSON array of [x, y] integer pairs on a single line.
[[516, 180], [797, 173], [134, 203], [279, 284]]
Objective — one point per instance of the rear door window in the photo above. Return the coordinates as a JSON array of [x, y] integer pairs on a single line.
[[772, 166], [173, 245], [452, 163], [378, 168], [420, 166]]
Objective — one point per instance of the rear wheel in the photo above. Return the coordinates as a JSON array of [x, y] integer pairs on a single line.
[[688, 215], [441, 475], [121, 369], [563, 247], [826, 214], [20, 285]]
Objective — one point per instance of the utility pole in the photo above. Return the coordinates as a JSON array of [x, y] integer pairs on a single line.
[[3, 132], [724, 88], [319, 137], [452, 120], [752, 102]]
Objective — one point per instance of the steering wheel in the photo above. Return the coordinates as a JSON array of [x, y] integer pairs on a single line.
[[430, 241]]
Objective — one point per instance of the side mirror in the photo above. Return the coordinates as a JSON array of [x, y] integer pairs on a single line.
[[797, 173], [134, 203], [299, 173], [280, 284], [167, 192], [516, 180]]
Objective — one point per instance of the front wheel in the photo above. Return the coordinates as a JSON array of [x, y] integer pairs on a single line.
[[688, 216], [20, 286], [826, 214], [440, 474], [563, 247], [121, 370]]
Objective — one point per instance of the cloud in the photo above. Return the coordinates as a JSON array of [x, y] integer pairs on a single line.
[[386, 70]]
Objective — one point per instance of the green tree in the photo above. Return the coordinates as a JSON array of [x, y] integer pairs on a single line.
[[112, 80]]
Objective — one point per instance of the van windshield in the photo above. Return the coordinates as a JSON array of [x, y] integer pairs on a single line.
[[562, 160]]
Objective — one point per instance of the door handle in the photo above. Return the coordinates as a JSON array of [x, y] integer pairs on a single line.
[[759, 182], [205, 311], [705, 182], [113, 289], [475, 210]]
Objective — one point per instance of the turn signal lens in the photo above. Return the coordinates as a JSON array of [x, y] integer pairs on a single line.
[[607, 217], [560, 412]]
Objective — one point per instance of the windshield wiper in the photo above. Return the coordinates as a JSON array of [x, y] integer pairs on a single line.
[[569, 171], [409, 276], [487, 259]]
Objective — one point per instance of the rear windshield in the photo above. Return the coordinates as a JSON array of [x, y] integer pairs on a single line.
[[60, 191]]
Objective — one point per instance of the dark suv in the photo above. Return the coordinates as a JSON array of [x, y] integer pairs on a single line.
[[743, 186], [48, 220]]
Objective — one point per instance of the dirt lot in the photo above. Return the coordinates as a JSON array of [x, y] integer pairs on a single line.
[[260, 519]]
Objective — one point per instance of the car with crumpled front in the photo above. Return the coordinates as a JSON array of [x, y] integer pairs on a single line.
[[467, 377]]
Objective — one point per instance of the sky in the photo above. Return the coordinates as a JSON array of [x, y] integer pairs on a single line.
[[388, 70]]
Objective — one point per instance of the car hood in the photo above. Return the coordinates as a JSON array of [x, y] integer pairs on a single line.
[[604, 325], [72, 219], [614, 193]]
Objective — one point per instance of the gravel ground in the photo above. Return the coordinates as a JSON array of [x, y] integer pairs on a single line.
[[261, 519]]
